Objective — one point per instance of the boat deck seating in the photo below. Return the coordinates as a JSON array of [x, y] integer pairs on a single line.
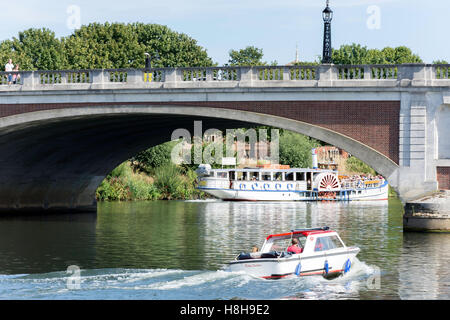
[[266, 255]]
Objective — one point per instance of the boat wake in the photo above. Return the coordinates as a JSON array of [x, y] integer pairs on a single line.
[[173, 284]]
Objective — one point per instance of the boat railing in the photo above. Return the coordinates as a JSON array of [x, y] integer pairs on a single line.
[[361, 184]]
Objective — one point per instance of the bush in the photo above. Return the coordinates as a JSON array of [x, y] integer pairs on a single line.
[[295, 149], [357, 166], [112, 189], [142, 190], [154, 157], [169, 182]]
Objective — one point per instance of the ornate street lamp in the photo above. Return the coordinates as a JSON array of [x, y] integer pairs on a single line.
[[327, 15], [149, 58]]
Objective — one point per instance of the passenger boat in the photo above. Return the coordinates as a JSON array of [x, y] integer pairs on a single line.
[[281, 183], [322, 253]]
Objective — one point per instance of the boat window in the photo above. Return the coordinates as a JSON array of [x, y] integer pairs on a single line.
[[289, 176], [328, 243], [278, 176], [232, 175], [240, 176], [300, 176], [223, 175], [336, 241], [321, 244], [266, 176], [254, 176], [283, 243], [280, 244]]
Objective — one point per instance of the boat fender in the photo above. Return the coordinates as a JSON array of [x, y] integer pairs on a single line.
[[348, 264], [326, 267], [298, 269]]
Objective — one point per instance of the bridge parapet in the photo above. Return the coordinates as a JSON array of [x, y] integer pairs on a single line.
[[405, 75]]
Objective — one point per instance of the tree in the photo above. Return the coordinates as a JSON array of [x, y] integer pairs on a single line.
[[250, 56], [34, 49], [295, 149], [357, 54], [96, 45], [121, 45], [154, 157]]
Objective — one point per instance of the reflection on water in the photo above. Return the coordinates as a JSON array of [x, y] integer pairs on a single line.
[[176, 250], [424, 272]]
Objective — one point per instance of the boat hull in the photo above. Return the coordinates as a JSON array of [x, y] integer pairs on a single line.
[[367, 194], [328, 265]]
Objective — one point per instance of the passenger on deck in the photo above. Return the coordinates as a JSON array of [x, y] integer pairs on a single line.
[[294, 248]]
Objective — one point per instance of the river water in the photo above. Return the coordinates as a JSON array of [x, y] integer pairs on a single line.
[[177, 250]]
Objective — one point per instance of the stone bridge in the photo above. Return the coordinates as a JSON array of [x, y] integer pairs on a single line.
[[62, 132]]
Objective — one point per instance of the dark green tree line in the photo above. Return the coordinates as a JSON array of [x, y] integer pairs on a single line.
[[108, 45]]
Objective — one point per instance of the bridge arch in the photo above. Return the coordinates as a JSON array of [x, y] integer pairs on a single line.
[[55, 159]]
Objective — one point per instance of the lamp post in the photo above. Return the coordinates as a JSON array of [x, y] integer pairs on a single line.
[[327, 15], [148, 65], [149, 58]]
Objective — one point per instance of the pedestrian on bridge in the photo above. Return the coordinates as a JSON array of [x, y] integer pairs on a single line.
[[8, 68]]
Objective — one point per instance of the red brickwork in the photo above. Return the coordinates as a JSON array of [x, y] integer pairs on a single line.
[[374, 123], [443, 178]]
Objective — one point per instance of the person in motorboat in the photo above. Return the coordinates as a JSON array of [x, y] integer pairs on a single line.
[[294, 248]]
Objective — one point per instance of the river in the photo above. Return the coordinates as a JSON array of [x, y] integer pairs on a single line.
[[177, 250]]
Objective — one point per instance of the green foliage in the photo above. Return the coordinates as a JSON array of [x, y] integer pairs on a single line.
[[249, 56], [295, 149], [169, 181], [34, 49], [154, 157], [112, 189], [120, 45], [357, 166], [123, 184], [440, 62], [357, 54], [107, 45], [142, 190]]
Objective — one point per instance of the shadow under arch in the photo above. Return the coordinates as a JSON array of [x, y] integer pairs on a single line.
[[55, 159]]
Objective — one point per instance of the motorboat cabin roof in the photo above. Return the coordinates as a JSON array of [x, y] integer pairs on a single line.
[[303, 232]]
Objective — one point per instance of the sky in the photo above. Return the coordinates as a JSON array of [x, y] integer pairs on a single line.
[[276, 26]]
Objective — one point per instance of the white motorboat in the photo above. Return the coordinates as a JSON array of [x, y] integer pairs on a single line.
[[320, 252]]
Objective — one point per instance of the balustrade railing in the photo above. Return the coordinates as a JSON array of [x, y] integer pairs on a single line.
[[329, 75], [442, 71], [351, 72], [303, 73]]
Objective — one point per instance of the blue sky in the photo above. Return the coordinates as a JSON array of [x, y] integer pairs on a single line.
[[276, 26]]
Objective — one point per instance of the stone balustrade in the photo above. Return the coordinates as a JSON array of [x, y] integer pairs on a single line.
[[405, 75]]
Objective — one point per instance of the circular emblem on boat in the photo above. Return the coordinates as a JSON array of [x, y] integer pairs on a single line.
[[278, 186], [242, 186], [266, 186], [290, 186], [255, 186]]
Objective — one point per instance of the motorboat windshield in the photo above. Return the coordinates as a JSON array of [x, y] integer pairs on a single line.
[[282, 243]]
